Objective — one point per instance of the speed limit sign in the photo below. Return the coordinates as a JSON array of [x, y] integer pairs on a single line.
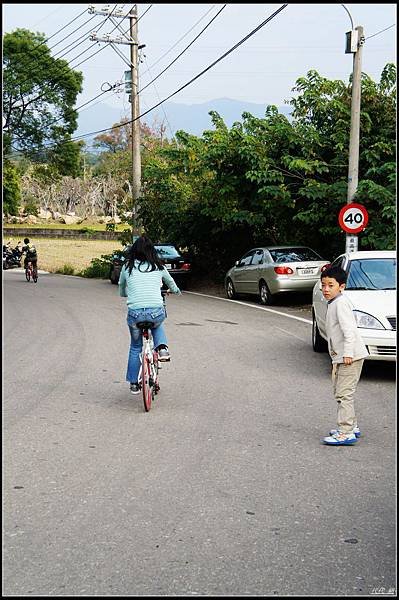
[[353, 218]]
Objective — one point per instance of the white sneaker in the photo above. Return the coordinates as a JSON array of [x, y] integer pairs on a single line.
[[356, 431], [340, 439]]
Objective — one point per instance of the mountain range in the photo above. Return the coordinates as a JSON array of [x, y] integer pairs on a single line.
[[192, 118]]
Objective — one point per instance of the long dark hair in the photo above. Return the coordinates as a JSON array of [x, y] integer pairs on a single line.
[[143, 251]]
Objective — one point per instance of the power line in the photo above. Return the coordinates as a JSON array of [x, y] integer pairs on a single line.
[[163, 109], [185, 49], [382, 30], [65, 69], [178, 41], [201, 73], [250, 34]]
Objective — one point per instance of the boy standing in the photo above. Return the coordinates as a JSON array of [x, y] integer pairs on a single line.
[[347, 352]]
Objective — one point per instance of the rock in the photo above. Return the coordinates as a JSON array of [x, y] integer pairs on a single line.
[[45, 214]]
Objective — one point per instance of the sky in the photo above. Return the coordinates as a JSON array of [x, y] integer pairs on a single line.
[[262, 70]]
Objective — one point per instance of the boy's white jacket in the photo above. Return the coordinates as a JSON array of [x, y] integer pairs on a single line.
[[343, 335]]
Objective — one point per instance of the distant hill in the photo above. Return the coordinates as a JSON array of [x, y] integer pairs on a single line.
[[192, 118]]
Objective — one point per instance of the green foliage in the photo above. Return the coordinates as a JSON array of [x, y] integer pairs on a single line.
[[274, 181], [31, 206], [38, 102], [67, 269], [11, 189], [99, 267]]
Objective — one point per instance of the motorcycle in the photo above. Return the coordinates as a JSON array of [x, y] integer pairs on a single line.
[[11, 257]]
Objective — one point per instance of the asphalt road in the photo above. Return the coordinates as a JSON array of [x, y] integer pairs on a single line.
[[222, 489]]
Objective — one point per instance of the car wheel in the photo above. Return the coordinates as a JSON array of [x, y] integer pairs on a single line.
[[264, 293], [319, 343], [230, 290]]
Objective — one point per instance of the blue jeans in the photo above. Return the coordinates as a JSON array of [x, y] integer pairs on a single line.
[[135, 315]]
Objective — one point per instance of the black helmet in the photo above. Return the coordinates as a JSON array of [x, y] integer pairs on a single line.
[[26, 241]]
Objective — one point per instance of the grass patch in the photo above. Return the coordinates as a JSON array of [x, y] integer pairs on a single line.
[[75, 227], [56, 254], [66, 270]]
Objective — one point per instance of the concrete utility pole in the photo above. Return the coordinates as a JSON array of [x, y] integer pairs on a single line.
[[134, 83], [136, 155], [355, 43]]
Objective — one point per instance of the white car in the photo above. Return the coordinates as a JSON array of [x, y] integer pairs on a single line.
[[371, 288]]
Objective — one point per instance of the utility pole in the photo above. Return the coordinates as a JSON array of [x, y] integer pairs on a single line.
[[136, 156], [133, 86], [355, 42]]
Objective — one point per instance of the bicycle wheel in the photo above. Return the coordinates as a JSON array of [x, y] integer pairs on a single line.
[[147, 385], [34, 275], [156, 372], [27, 274]]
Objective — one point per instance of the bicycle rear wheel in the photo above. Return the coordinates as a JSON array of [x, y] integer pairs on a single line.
[[34, 275], [147, 385], [156, 371], [27, 274]]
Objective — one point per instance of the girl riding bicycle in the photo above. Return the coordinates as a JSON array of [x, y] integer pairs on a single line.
[[140, 281]]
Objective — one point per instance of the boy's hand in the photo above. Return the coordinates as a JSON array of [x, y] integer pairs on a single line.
[[348, 360]]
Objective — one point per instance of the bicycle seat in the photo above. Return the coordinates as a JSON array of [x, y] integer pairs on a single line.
[[145, 325]]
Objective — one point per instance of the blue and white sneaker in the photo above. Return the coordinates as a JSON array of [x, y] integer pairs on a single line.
[[340, 439], [356, 431]]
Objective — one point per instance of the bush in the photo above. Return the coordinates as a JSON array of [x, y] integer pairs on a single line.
[[99, 267], [31, 207], [67, 269]]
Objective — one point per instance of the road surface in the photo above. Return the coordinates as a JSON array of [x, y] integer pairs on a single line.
[[222, 489]]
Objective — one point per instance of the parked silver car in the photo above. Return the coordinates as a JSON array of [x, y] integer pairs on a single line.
[[269, 271]]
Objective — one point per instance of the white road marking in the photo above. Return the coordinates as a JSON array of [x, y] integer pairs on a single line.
[[277, 312], [290, 333]]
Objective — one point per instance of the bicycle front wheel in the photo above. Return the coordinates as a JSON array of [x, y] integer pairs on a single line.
[[147, 385], [34, 275], [27, 274]]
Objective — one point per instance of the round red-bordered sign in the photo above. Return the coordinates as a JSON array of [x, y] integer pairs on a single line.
[[353, 218]]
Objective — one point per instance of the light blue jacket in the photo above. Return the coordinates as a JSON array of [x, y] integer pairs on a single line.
[[143, 288]]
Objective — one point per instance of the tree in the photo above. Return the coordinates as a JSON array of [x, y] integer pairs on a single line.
[[38, 98], [274, 181], [11, 189]]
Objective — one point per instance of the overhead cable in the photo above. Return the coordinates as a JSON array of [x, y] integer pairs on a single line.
[[183, 51]]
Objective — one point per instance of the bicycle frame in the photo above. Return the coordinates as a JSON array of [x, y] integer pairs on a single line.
[[148, 374]]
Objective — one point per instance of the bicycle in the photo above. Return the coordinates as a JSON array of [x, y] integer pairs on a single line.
[[31, 272], [148, 377]]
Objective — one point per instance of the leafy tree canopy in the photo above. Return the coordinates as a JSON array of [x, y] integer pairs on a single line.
[[39, 93]]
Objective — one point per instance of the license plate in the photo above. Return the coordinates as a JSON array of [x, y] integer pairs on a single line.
[[168, 266], [307, 271]]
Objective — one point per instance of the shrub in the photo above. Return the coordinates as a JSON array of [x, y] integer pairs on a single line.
[[67, 269], [31, 207], [99, 267]]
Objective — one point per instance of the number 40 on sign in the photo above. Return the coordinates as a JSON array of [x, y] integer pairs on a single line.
[[353, 218]]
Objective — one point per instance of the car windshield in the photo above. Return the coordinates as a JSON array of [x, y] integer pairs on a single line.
[[167, 252], [282, 255], [372, 274]]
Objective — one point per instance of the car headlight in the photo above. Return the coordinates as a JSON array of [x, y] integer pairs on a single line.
[[367, 321]]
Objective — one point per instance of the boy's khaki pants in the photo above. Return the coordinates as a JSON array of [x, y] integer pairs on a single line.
[[345, 379]]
